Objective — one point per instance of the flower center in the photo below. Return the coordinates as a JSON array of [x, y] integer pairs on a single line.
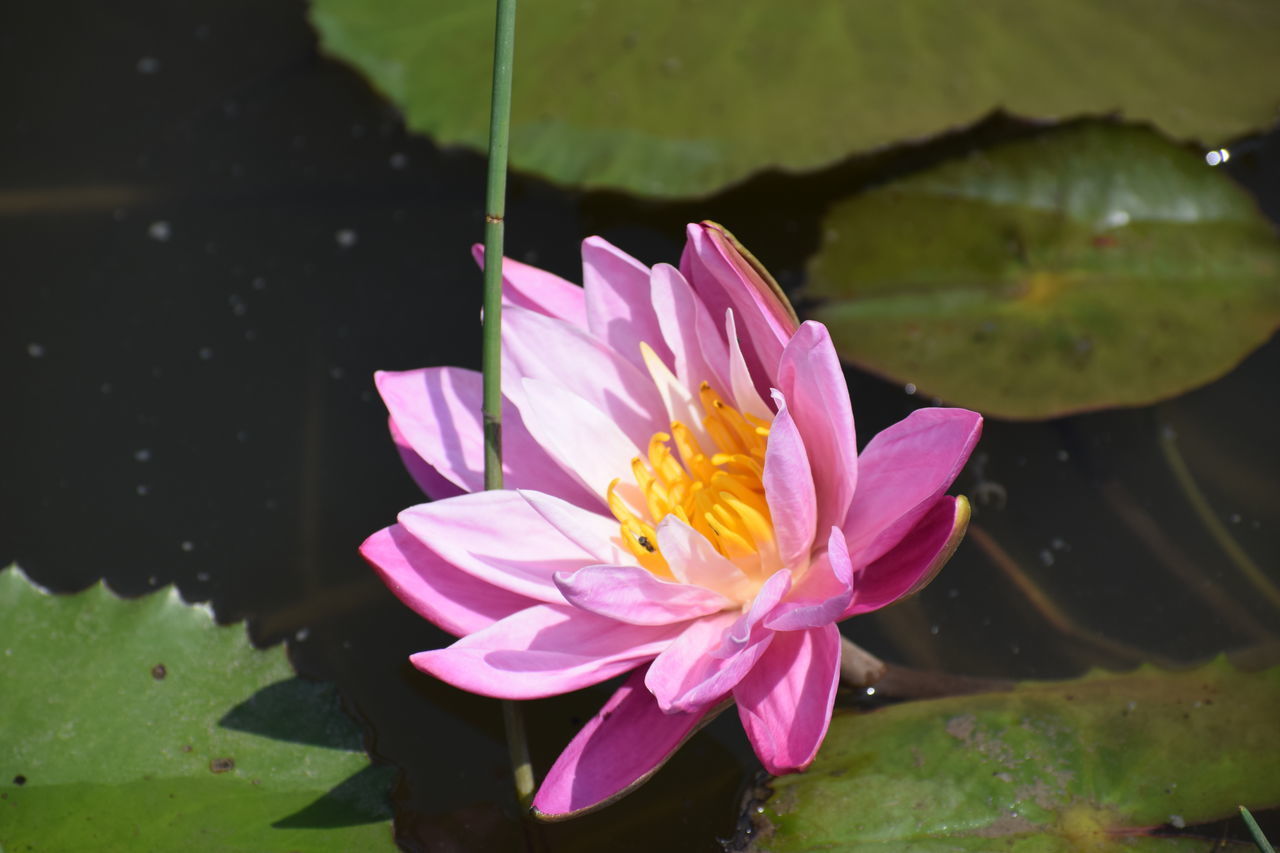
[[716, 490]]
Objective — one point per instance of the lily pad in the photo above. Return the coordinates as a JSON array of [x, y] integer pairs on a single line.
[[140, 724], [672, 98], [1093, 266], [1096, 763]]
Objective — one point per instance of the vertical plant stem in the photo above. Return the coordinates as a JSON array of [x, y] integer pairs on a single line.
[[494, 213]]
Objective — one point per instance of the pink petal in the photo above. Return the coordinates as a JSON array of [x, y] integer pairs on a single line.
[[620, 748], [544, 651], [454, 600], [916, 559], [593, 532], [499, 538], [698, 352], [785, 701], [431, 481], [543, 348], [810, 377], [538, 290], [585, 442], [436, 415], [694, 560], [619, 308], [714, 653], [823, 593], [902, 472], [724, 279], [745, 397], [788, 489], [636, 596]]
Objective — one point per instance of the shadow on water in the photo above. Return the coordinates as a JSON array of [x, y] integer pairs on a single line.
[[206, 263]]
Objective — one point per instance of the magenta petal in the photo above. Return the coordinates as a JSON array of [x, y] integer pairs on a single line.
[[910, 565], [902, 471], [538, 290], [788, 489], [499, 538], [433, 484], [823, 593], [619, 308], [785, 701], [543, 651], [811, 379], [621, 747], [636, 596], [422, 579]]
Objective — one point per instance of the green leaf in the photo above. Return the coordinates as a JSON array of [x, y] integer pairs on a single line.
[[1093, 266], [1089, 764], [674, 98], [140, 724]]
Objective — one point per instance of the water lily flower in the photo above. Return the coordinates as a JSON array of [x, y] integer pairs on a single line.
[[685, 502]]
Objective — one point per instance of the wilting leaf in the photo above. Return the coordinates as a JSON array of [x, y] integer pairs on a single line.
[[139, 724], [1089, 267], [679, 98], [1091, 764]]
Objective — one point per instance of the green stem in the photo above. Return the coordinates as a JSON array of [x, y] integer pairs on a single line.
[[1256, 831], [491, 362]]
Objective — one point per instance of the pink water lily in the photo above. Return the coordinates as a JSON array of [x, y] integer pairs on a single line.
[[685, 503]]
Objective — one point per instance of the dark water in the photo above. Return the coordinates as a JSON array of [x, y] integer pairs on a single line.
[[212, 237]]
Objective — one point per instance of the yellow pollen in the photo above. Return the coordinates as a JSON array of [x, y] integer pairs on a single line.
[[717, 490]]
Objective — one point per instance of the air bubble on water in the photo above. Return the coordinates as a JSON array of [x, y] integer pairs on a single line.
[[953, 593], [934, 629], [242, 435], [399, 160], [1217, 156], [346, 238], [1116, 219], [203, 577], [259, 283], [1014, 648], [1236, 518], [160, 231], [35, 350], [909, 388], [237, 305], [143, 490], [1177, 821], [336, 373], [188, 546], [302, 634], [1057, 543], [142, 455], [106, 388], [1063, 455], [871, 691], [1046, 557], [250, 335], [205, 353], [148, 65]]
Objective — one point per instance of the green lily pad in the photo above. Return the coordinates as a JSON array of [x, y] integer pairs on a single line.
[[1091, 764], [1092, 266], [672, 98], [139, 724]]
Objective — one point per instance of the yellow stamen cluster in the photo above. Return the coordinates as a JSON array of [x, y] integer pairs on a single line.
[[720, 494]]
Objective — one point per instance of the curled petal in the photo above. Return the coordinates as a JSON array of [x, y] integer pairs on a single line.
[[694, 560], [616, 752], [697, 349], [543, 651], [915, 560], [785, 701]]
